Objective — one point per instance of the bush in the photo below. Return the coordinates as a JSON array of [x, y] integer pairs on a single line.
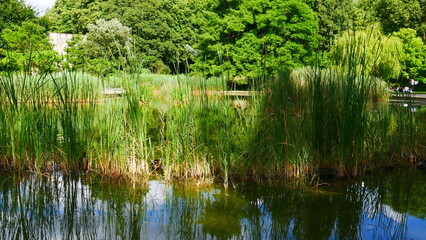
[[27, 47], [107, 47]]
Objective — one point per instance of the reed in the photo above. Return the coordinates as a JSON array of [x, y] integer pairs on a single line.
[[293, 125], [318, 119]]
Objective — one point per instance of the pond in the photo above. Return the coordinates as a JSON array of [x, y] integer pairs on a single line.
[[388, 205]]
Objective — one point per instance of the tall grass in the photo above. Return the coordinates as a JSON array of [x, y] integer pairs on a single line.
[[294, 126], [328, 119], [39, 118]]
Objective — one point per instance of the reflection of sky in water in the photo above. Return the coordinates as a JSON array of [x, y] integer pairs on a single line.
[[162, 212], [417, 228]]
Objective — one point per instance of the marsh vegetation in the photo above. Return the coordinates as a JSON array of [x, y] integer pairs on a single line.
[[178, 127], [137, 130], [292, 124]]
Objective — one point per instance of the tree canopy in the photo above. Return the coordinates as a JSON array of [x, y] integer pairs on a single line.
[[378, 53], [397, 14], [237, 39], [107, 46], [241, 37], [162, 29], [414, 55], [27, 47], [14, 12]]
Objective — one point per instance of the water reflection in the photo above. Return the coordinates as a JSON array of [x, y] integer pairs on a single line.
[[387, 206]]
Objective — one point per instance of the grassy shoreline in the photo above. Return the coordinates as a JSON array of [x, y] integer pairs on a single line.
[[290, 129]]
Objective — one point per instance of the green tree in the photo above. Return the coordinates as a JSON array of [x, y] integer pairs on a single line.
[[414, 57], [108, 39], [106, 47], [73, 16], [336, 17], [162, 29], [379, 54], [14, 12], [241, 37], [76, 57], [27, 48], [396, 14]]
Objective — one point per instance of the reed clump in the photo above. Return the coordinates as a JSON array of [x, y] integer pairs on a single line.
[[318, 120], [294, 125]]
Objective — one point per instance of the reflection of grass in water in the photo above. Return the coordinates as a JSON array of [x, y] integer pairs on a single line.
[[406, 196], [43, 208], [71, 207], [221, 216]]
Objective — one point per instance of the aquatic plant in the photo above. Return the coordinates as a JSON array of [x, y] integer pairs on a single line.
[[294, 125], [324, 120]]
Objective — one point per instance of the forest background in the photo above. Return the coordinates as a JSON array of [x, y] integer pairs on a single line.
[[237, 39]]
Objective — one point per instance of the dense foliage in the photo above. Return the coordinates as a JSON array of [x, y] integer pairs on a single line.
[[241, 37], [107, 46], [414, 55], [27, 47], [335, 17], [378, 54], [236, 39], [397, 14], [162, 30], [14, 12], [24, 43]]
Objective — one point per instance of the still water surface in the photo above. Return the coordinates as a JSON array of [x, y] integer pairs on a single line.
[[384, 206]]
